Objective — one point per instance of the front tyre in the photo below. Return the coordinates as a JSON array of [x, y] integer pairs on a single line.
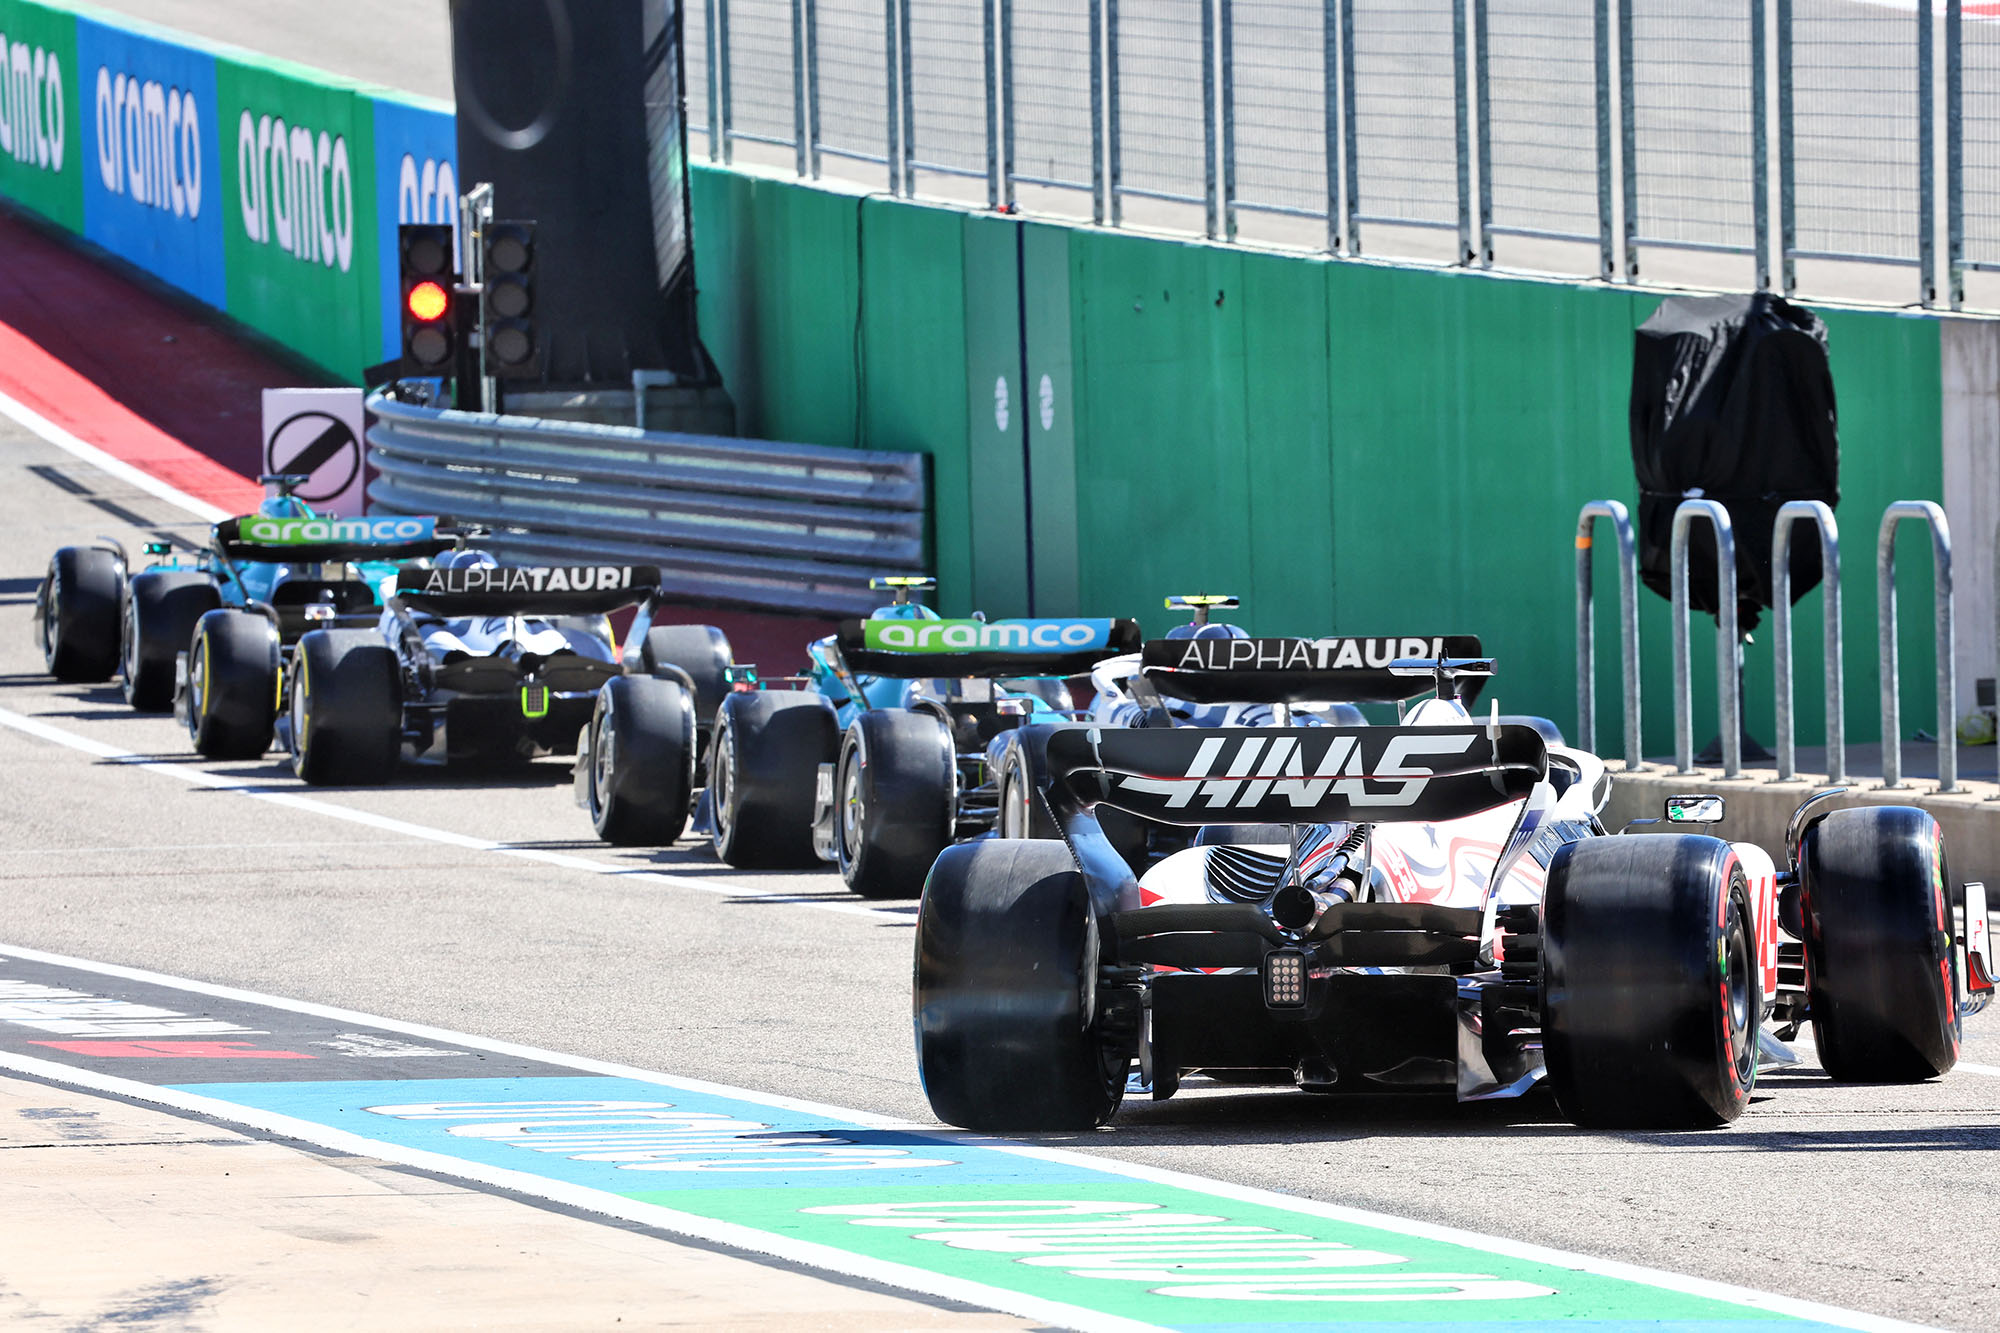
[[1881, 983], [763, 769], [1006, 1001], [347, 708], [77, 609], [894, 802], [232, 684], [162, 607], [1650, 995], [640, 780]]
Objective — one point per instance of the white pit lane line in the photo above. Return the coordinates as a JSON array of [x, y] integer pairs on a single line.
[[258, 791], [804, 1252]]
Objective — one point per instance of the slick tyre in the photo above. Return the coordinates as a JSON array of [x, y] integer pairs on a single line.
[[1650, 995], [640, 782], [703, 652], [232, 684], [763, 770], [346, 704], [1006, 998], [1881, 970], [1023, 812], [162, 607], [895, 801], [78, 613]]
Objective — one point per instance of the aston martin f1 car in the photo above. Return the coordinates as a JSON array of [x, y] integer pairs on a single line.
[[1428, 907], [891, 752], [96, 618], [475, 660]]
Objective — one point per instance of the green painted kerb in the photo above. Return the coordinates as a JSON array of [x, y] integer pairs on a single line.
[[1179, 1258]]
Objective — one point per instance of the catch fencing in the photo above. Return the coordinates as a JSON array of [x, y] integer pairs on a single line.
[[1715, 141]]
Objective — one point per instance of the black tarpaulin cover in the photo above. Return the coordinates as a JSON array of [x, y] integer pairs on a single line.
[[1732, 399]]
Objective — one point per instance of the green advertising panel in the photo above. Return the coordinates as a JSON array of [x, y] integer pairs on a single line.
[[41, 113], [298, 197]]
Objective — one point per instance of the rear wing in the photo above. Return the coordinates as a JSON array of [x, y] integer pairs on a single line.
[[1274, 671], [953, 649], [526, 590], [258, 539], [1296, 775]]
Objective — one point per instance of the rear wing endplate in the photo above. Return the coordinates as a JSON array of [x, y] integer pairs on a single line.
[[1297, 775]]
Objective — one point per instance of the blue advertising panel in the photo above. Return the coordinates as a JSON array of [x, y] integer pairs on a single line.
[[416, 180], [152, 181]]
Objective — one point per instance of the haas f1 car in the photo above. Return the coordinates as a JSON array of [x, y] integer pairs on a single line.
[[1431, 907]]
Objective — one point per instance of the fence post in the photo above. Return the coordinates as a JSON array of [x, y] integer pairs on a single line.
[[992, 102], [1781, 628], [909, 102], [800, 150], [1628, 140], [1932, 516], [1926, 160], [1111, 111], [1727, 645], [1349, 135], [1628, 627], [1097, 188], [812, 86], [1607, 264], [1329, 80], [1482, 137], [728, 116], [1228, 39], [1787, 226], [1208, 126], [1954, 152], [1462, 114], [1760, 155], [892, 99]]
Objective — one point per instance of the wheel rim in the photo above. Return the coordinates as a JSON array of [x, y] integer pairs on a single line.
[[128, 644], [600, 762], [721, 765], [1740, 993], [1013, 804], [198, 686], [853, 810], [51, 621], [301, 710]]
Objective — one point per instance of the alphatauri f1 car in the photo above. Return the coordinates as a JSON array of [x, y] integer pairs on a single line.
[[1429, 907], [891, 751]]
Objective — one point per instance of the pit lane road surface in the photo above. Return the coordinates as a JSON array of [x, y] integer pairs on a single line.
[[475, 903]]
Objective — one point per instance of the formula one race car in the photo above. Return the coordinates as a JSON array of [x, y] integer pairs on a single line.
[[96, 619], [475, 660], [1430, 907], [890, 752]]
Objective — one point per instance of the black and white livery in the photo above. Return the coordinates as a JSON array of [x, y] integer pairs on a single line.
[[1427, 907]]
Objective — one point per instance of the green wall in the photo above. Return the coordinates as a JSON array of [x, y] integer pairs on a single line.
[[1351, 447]]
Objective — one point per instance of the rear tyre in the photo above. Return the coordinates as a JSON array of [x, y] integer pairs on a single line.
[[894, 802], [762, 772], [78, 605], [1881, 971], [700, 650], [162, 607], [347, 709], [641, 777], [1006, 997], [1650, 995], [232, 684], [1023, 812]]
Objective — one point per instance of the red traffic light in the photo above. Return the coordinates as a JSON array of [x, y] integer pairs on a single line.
[[428, 302]]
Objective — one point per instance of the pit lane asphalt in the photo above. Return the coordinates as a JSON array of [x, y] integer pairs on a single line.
[[1872, 1198]]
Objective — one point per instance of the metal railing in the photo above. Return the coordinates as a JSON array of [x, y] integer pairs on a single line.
[[748, 523], [1575, 133], [1932, 516], [1820, 514], [1728, 648], [1628, 627]]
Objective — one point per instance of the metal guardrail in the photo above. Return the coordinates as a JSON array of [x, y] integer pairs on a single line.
[[1727, 647], [1932, 516], [1820, 514], [746, 523], [1628, 627]]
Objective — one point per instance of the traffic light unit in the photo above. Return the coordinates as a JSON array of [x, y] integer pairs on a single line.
[[507, 339], [428, 283]]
